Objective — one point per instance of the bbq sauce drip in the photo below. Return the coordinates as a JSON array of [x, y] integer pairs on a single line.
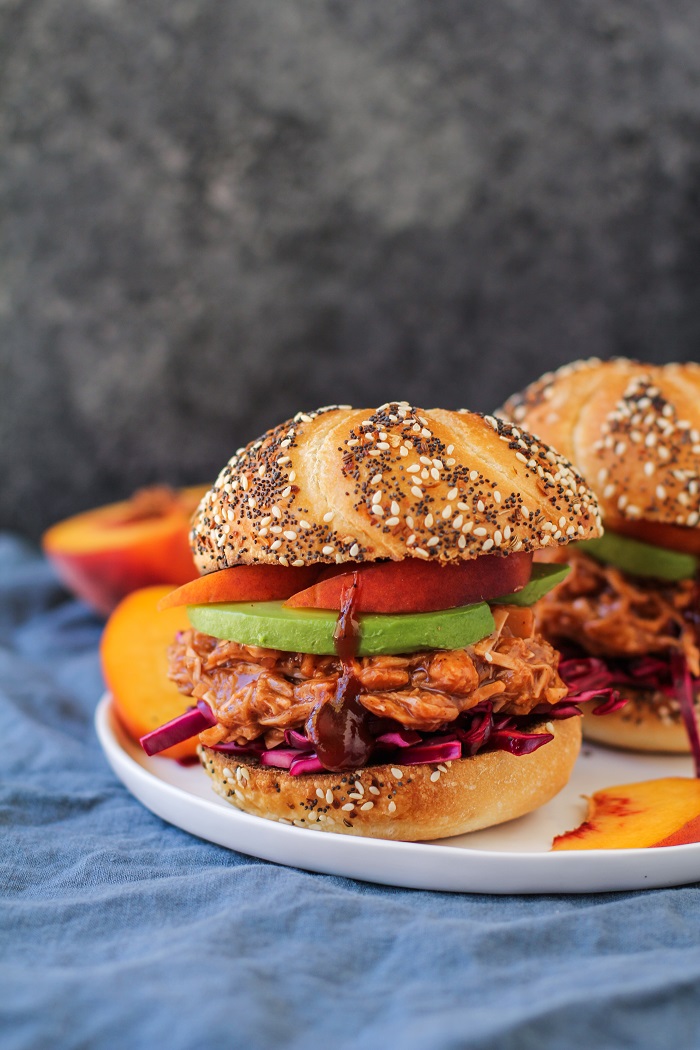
[[339, 728]]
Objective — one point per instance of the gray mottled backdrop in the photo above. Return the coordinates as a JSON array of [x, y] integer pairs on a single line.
[[216, 212]]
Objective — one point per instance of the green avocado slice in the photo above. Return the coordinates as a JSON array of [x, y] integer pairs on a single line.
[[272, 625], [543, 578], [640, 559]]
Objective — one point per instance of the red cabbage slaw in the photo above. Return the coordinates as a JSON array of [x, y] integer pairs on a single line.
[[590, 676], [476, 730]]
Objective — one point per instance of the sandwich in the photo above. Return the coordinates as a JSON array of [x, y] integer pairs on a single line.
[[362, 656], [627, 615]]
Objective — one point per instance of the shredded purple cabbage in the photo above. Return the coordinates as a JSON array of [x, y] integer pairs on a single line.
[[478, 729], [683, 684], [194, 720]]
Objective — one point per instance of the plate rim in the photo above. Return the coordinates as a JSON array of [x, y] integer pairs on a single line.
[[435, 865]]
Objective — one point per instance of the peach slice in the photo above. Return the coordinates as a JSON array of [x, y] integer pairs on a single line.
[[243, 583], [104, 554], [134, 653], [413, 585], [663, 812]]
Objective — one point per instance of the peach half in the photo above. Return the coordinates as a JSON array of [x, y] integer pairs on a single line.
[[104, 554], [134, 655]]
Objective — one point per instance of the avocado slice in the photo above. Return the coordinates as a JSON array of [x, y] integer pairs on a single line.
[[544, 577], [274, 625], [640, 559]]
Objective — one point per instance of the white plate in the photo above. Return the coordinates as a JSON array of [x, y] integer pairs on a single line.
[[510, 858]]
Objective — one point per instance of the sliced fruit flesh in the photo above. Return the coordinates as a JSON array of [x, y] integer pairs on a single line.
[[639, 558], [634, 816], [414, 585]]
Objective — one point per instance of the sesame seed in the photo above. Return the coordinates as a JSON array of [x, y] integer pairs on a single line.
[[392, 806], [497, 495], [319, 792], [354, 550], [377, 497], [480, 506], [435, 473], [395, 507], [354, 794], [292, 475], [289, 534], [374, 790], [396, 773], [418, 493], [660, 492], [392, 521], [433, 541], [277, 513], [435, 776], [304, 524], [328, 549], [413, 469], [275, 545], [498, 537], [473, 475], [481, 531], [376, 509], [359, 787], [487, 544], [447, 512], [329, 796], [348, 806], [367, 805], [329, 515], [649, 468], [376, 479], [428, 521]]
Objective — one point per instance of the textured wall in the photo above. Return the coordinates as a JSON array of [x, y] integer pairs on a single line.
[[214, 214]]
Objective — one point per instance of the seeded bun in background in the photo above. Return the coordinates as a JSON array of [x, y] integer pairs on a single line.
[[343, 484], [647, 722], [403, 802], [632, 429]]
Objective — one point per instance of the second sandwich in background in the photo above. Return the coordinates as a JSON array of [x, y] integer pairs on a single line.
[[628, 614]]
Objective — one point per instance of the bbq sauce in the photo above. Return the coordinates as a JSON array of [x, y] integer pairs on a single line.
[[339, 728]]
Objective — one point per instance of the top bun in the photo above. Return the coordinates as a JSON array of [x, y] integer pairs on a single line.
[[343, 484], [632, 429]]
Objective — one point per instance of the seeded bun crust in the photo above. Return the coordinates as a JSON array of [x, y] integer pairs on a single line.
[[648, 722], [403, 802], [343, 484], [632, 429]]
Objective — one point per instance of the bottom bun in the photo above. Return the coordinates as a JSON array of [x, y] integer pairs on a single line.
[[411, 803], [650, 721]]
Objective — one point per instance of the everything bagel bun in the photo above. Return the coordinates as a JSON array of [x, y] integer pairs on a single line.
[[403, 802], [633, 430], [648, 722], [343, 484]]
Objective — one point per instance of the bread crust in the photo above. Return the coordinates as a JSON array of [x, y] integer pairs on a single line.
[[343, 484], [649, 722], [424, 802], [632, 429]]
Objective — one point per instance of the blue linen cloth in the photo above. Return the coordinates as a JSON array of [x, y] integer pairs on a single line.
[[118, 930]]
